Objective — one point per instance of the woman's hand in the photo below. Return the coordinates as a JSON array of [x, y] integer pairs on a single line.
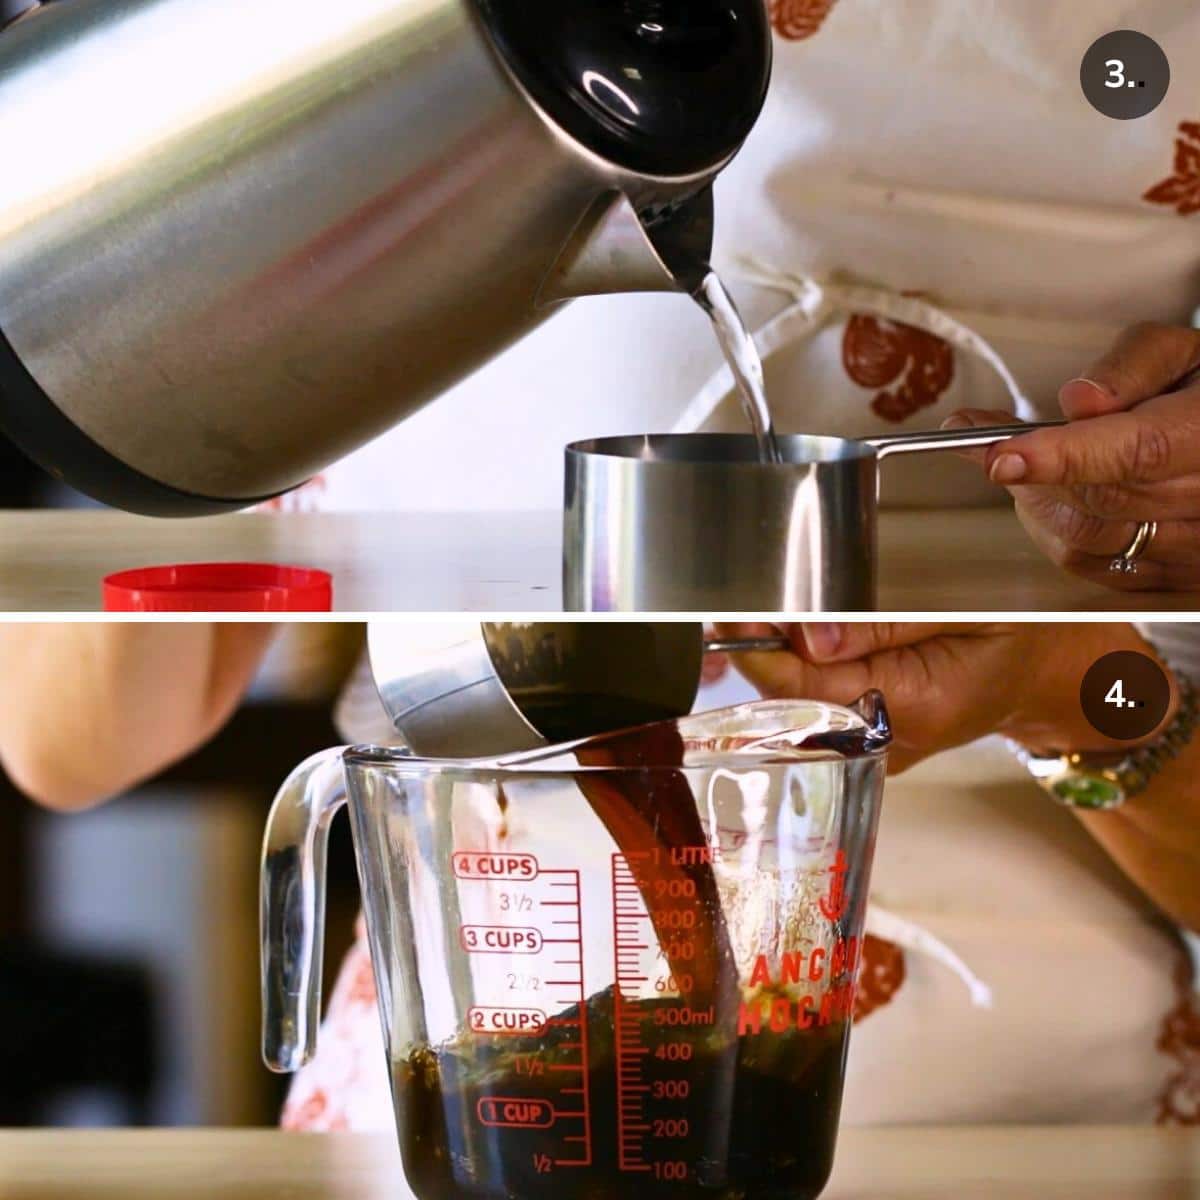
[[948, 684], [1131, 453]]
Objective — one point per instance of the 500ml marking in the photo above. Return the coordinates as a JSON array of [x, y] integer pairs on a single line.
[[546, 968], [634, 932]]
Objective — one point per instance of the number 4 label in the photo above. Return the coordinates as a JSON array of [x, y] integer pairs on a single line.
[[1116, 694]]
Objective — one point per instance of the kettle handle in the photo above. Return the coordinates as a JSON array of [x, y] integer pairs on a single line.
[[292, 908]]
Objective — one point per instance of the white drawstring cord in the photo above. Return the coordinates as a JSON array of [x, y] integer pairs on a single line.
[[912, 937], [1192, 942], [817, 303]]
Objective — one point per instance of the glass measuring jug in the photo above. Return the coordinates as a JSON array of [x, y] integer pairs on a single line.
[[629, 961]]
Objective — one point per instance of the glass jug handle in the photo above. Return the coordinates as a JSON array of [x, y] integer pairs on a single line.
[[292, 908]]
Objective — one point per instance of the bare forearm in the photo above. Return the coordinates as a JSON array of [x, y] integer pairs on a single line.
[[1155, 838], [88, 710]]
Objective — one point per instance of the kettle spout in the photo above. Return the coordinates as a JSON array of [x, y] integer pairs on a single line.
[[614, 250]]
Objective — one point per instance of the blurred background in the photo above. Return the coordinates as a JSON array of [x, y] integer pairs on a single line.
[[129, 934]]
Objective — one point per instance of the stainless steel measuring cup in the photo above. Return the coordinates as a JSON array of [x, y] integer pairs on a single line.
[[628, 963], [459, 689], [697, 522]]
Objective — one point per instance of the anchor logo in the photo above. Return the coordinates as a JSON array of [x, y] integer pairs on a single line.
[[835, 903]]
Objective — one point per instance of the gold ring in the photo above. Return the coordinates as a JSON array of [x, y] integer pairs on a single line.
[[1126, 562]]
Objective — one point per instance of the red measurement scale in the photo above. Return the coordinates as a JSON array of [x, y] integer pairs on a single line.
[[651, 1008], [535, 954]]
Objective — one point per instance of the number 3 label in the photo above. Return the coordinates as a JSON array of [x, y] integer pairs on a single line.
[[1124, 75]]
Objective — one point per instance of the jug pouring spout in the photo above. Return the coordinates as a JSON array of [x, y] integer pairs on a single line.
[[613, 249]]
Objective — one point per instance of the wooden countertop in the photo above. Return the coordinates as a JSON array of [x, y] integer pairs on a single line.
[[966, 560], [997, 1163]]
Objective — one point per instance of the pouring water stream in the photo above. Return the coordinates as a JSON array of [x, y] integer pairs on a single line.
[[743, 360]]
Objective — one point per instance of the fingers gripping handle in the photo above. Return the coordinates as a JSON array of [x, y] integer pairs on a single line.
[[952, 439], [292, 908]]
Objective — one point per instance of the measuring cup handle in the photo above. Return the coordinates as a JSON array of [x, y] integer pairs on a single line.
[[952, 439], [292, 908]]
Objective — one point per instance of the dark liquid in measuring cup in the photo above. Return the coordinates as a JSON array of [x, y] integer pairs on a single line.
[[733, 1110], [765, 1130], [566, 716]]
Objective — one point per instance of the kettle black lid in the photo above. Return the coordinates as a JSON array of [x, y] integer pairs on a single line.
[[662, 87]]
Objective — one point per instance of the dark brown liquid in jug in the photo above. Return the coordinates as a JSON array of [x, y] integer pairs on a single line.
[[738, 1104], [763, 1130], [567, 716]]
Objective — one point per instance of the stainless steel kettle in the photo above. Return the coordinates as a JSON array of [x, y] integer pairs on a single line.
[[238, 240]]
